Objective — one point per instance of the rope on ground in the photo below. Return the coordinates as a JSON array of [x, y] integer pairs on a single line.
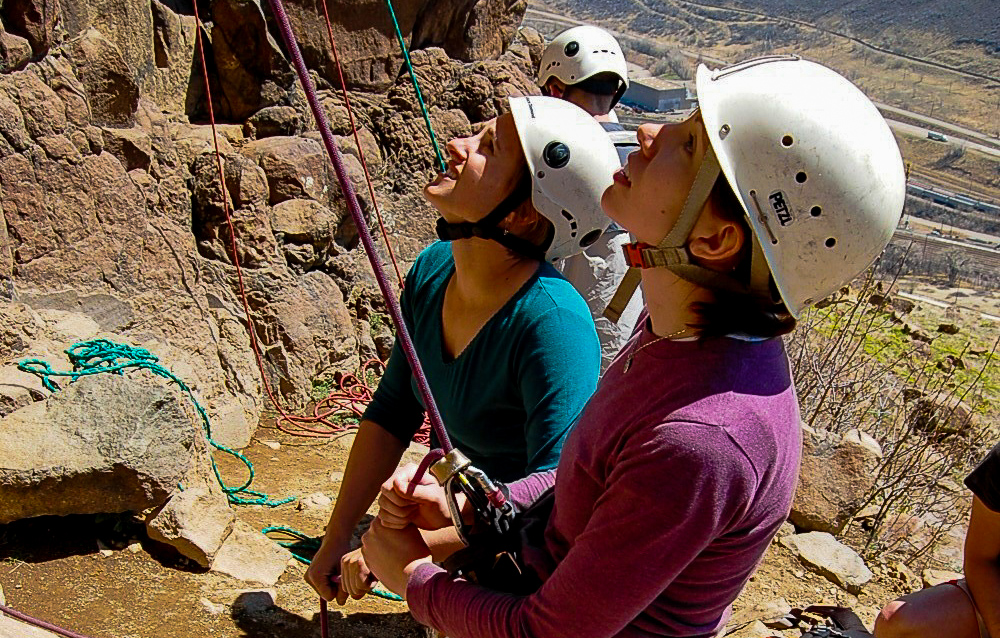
[[416, 87], [101, 356], [342, 407], [13, 613], [303, 547]]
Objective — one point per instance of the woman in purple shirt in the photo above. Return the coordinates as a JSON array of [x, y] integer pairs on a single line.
[[786, 184]]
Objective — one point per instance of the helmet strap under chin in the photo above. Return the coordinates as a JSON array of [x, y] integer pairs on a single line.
[[489, 226], [672, 252]]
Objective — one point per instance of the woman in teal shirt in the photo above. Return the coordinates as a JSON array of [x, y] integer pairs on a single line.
[[508, 346]]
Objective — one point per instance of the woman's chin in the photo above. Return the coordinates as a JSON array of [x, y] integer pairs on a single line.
[[612, 204]]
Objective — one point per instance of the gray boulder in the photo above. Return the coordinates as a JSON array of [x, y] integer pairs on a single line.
[[104, 444], [822, 554]]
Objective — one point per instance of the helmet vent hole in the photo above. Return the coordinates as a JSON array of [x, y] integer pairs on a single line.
[[787, 141], [815, 211], [572, 49], [800, 177], [590, 237], [831, 242], [567, 215], [541, 174]]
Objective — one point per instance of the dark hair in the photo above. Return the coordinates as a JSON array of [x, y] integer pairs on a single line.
[[605, 83], [731, 312]]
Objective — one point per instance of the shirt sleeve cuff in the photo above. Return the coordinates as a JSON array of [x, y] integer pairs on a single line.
[[418, 589]]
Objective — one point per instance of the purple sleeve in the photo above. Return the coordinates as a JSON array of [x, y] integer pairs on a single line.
[[664, 504], [523, 492]]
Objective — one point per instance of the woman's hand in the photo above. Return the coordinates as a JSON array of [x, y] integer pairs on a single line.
[[324, 570], [356, 579], [393, 554], [404, 502]]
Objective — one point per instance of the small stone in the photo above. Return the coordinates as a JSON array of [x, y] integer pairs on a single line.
[[104, 550], [17, 586], [135, 547], [3, 599], [274, 458], [932, 577], [336, 476], [274, 445], [317, 500], [798, 573], [213, 608], [252, 602]]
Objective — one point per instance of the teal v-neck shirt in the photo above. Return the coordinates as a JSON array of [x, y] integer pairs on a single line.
[[511, 397]]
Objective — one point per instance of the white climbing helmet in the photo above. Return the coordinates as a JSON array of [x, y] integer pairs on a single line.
[[571, 160], [814, 165], [582, 52]]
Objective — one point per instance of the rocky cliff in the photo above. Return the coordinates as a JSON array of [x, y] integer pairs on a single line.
[[113, 211]]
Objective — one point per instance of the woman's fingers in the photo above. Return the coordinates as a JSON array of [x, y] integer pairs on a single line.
[[355, 577]]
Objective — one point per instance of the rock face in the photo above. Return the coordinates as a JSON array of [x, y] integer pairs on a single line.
[[104, 444], [116, 223]]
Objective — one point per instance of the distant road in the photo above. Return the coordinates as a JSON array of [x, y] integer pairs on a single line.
[[985, 143]]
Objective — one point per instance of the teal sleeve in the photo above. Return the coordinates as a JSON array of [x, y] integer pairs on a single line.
[[394, 405], [559, 360]]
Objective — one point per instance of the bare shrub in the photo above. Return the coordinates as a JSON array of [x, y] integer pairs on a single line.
[[855, 366]]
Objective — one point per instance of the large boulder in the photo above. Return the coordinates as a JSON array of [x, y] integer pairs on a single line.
[[835, 477], [105, 444], [126, 23], [366, 39], [111, 88], [33, 20]]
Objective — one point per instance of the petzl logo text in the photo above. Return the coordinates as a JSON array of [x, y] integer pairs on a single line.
[[777, 200]]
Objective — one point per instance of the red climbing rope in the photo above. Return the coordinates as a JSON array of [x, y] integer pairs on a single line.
[[353, 394], [361, 153]]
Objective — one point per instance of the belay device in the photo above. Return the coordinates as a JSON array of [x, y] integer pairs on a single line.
[[495, 515]]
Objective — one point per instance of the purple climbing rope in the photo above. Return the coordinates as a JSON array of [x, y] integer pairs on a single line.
[[13, 613], [366, 238]]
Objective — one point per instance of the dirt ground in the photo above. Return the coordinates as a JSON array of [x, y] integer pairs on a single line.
[[51, 568]]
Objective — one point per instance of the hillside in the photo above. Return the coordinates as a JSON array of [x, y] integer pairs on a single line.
[[968, 39]]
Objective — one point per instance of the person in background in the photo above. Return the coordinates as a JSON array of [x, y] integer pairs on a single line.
[[786, 184], [507, 345], [969, 607], [585, 65]]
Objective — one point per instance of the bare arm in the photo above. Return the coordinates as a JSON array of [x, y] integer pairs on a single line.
[[374, 456], [982, 563]]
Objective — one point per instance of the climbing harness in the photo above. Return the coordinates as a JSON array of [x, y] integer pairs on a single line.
[[101, 356]]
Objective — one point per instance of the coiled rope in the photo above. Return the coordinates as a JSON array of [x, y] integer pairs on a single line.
[[101, 356]]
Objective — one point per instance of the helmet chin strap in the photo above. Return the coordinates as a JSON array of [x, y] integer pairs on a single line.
[[672, 252], [488, 227]]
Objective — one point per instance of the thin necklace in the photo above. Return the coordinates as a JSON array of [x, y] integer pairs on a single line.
[[631, 355]]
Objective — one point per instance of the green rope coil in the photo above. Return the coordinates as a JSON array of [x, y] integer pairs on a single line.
[[304, 547], [101, 356], [416, 87]]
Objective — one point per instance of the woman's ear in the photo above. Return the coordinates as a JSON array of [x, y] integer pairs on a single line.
[[716, 242]]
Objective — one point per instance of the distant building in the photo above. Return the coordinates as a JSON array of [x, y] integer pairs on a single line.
[[657, 94]]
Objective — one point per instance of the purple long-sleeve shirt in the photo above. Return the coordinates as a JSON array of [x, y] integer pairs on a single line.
[[669, 491]]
